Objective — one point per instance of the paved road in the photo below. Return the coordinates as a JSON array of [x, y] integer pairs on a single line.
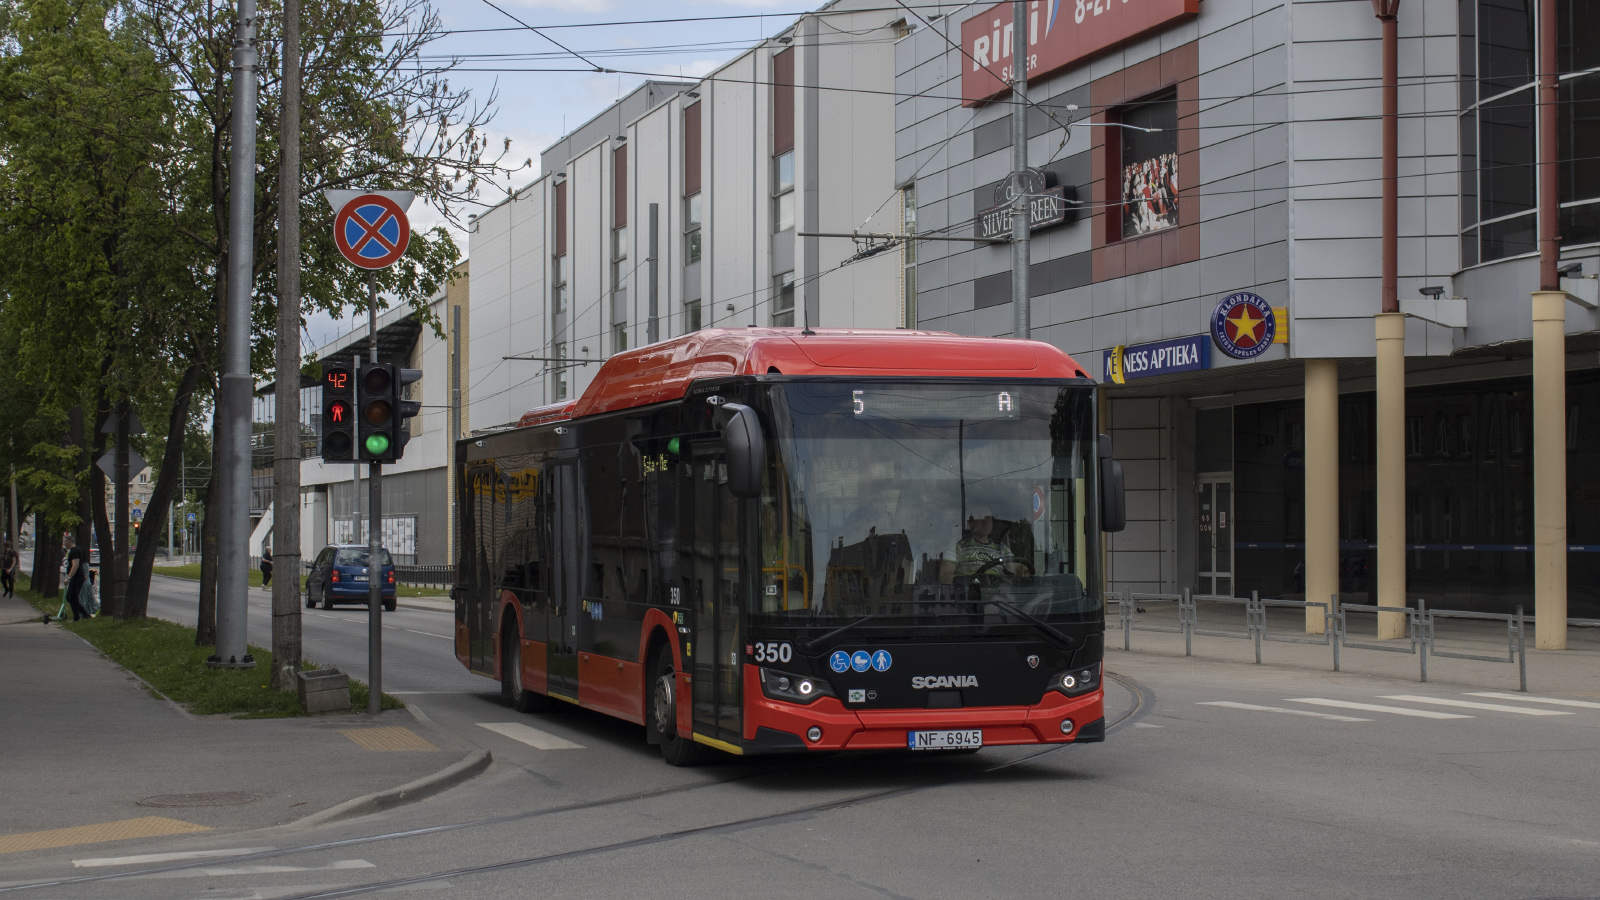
[[1217, 780]]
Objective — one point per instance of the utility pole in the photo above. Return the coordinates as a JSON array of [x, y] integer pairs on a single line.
[[286, 624], [1390, 325], [1549, 368], [374, 536], [233, 532], [1022, 202], [652, 330]]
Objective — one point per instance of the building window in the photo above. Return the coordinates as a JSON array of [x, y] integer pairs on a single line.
[[620, 270], [908, 254], [691, 228], [691, 316], [783, 192], [1148, 165], [560, 355], [558, 284], [619, 259], [619, 337], [1499, 127], [783, 299]]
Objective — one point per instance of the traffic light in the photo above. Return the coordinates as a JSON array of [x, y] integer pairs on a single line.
[[338, 414], [405, 408], [378, 422]]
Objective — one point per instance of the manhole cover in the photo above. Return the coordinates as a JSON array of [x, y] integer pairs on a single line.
[[224, 798]]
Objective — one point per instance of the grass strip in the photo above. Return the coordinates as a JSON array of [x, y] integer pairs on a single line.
[[164, 655], [191, 571]]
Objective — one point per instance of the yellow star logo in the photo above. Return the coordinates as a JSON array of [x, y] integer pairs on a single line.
[[1247, 326]]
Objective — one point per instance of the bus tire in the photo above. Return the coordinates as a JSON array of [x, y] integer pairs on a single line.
[[521, 699], [677, 750]]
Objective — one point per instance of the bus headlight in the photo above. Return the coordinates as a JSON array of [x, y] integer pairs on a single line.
[[1080, 680], [793, 688]]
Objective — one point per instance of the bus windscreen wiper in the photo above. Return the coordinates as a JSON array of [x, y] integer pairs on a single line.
[[816, 644], [1064, 641]]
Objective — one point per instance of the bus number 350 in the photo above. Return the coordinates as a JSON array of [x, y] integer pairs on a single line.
[[773, 651]]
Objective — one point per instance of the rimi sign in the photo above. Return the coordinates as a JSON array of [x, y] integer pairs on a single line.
[[1060, 33]]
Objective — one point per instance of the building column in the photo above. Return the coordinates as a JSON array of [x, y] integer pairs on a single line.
[[1322, 487], [1550, 469], [1391, 461]]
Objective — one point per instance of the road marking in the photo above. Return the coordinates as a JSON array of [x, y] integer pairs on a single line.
[[121, 830], [390, 738], [1554, 701], [1146, 725], [1281, 709], [429, 634], [1468, 704], [221, 871], [163, 857], [533, 737], [1373, 707]]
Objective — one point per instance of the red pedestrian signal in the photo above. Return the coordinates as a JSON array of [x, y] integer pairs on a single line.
[[338, 414]]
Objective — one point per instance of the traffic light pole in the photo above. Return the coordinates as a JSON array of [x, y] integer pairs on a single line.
[[374, 538]]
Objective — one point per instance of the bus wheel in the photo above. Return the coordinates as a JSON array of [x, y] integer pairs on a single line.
[[522, 699], [678, 751]]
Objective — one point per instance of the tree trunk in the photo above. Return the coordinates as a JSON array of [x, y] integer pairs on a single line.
[[82, 531], [118, 580], [137, 596], [205, 634], [46, 576], [98, 483]]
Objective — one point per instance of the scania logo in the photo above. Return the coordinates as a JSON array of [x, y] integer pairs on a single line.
[[944, 681]]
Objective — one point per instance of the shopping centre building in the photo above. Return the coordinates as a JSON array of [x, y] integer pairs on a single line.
[[1215, 251]]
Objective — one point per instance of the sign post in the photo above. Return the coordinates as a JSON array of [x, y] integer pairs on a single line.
[[371, 231]]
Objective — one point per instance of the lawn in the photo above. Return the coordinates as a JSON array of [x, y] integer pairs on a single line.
[[164, 654], [192, 572]]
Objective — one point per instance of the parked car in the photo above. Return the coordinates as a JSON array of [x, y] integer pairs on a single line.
[[339, 575]]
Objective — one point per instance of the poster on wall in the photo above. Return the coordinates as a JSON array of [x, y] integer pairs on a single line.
[[399, 535], [1150, 166]]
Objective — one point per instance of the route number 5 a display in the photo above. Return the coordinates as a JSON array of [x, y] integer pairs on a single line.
[[774, 652]]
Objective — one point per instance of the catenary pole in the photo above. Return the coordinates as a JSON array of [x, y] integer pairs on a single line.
[[374, 536], [286, 622], [1549, 366], [1021, 315], [233, 532]]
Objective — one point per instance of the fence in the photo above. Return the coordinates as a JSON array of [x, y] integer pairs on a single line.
[[426, 576], [1420, 627]]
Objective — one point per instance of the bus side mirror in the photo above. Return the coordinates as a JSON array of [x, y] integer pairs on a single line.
[[1113, 496], [747, 450]]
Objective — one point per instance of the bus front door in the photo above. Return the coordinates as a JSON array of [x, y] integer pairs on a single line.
[[566, 563], [716, 598]]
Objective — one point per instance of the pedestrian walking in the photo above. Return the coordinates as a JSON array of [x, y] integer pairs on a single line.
[[75, 577], [266, 566], [10, 562]]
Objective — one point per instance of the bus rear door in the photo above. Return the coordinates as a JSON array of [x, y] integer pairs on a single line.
[[567, 539], [715, 597]]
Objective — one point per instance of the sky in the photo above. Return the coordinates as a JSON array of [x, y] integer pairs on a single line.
[[534, 109]]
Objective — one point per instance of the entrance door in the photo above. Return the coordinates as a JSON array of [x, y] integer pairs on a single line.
[[1215, 546], [715, 596], [566, 563]]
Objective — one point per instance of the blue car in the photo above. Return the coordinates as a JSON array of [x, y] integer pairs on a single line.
[[339, 575]]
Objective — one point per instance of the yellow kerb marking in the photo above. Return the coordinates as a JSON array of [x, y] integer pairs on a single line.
[[387, 738], [146, 826]]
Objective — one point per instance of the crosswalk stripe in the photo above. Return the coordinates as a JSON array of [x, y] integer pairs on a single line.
[[533, 737], [1281, 709], [1468, 704], [1553, 701], [1373, 707], [163, 857]]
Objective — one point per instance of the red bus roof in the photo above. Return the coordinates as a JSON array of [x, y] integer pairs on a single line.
[[663, 371]]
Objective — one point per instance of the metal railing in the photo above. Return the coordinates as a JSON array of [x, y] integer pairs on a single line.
[[425, 576], [1420, 627]]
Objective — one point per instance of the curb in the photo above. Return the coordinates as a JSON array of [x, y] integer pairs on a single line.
[[378, 801]]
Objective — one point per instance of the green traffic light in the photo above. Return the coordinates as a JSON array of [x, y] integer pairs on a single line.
[[377, 444]]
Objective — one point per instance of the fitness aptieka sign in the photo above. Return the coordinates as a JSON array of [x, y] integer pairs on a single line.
[[1060, 33], [370, 228], [1185, 354]]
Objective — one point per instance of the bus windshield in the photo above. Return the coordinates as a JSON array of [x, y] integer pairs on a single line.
[[928, 503]]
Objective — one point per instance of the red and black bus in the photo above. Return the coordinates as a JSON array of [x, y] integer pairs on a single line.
[[773, 540]]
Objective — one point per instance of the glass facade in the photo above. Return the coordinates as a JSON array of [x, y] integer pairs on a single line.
[[1469, 495], [1499, 127]]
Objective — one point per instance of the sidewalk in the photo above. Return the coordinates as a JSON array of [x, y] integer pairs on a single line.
[[82, 742], [1573, 673]]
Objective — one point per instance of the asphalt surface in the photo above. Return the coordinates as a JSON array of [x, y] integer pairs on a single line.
[[1217, 779]]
